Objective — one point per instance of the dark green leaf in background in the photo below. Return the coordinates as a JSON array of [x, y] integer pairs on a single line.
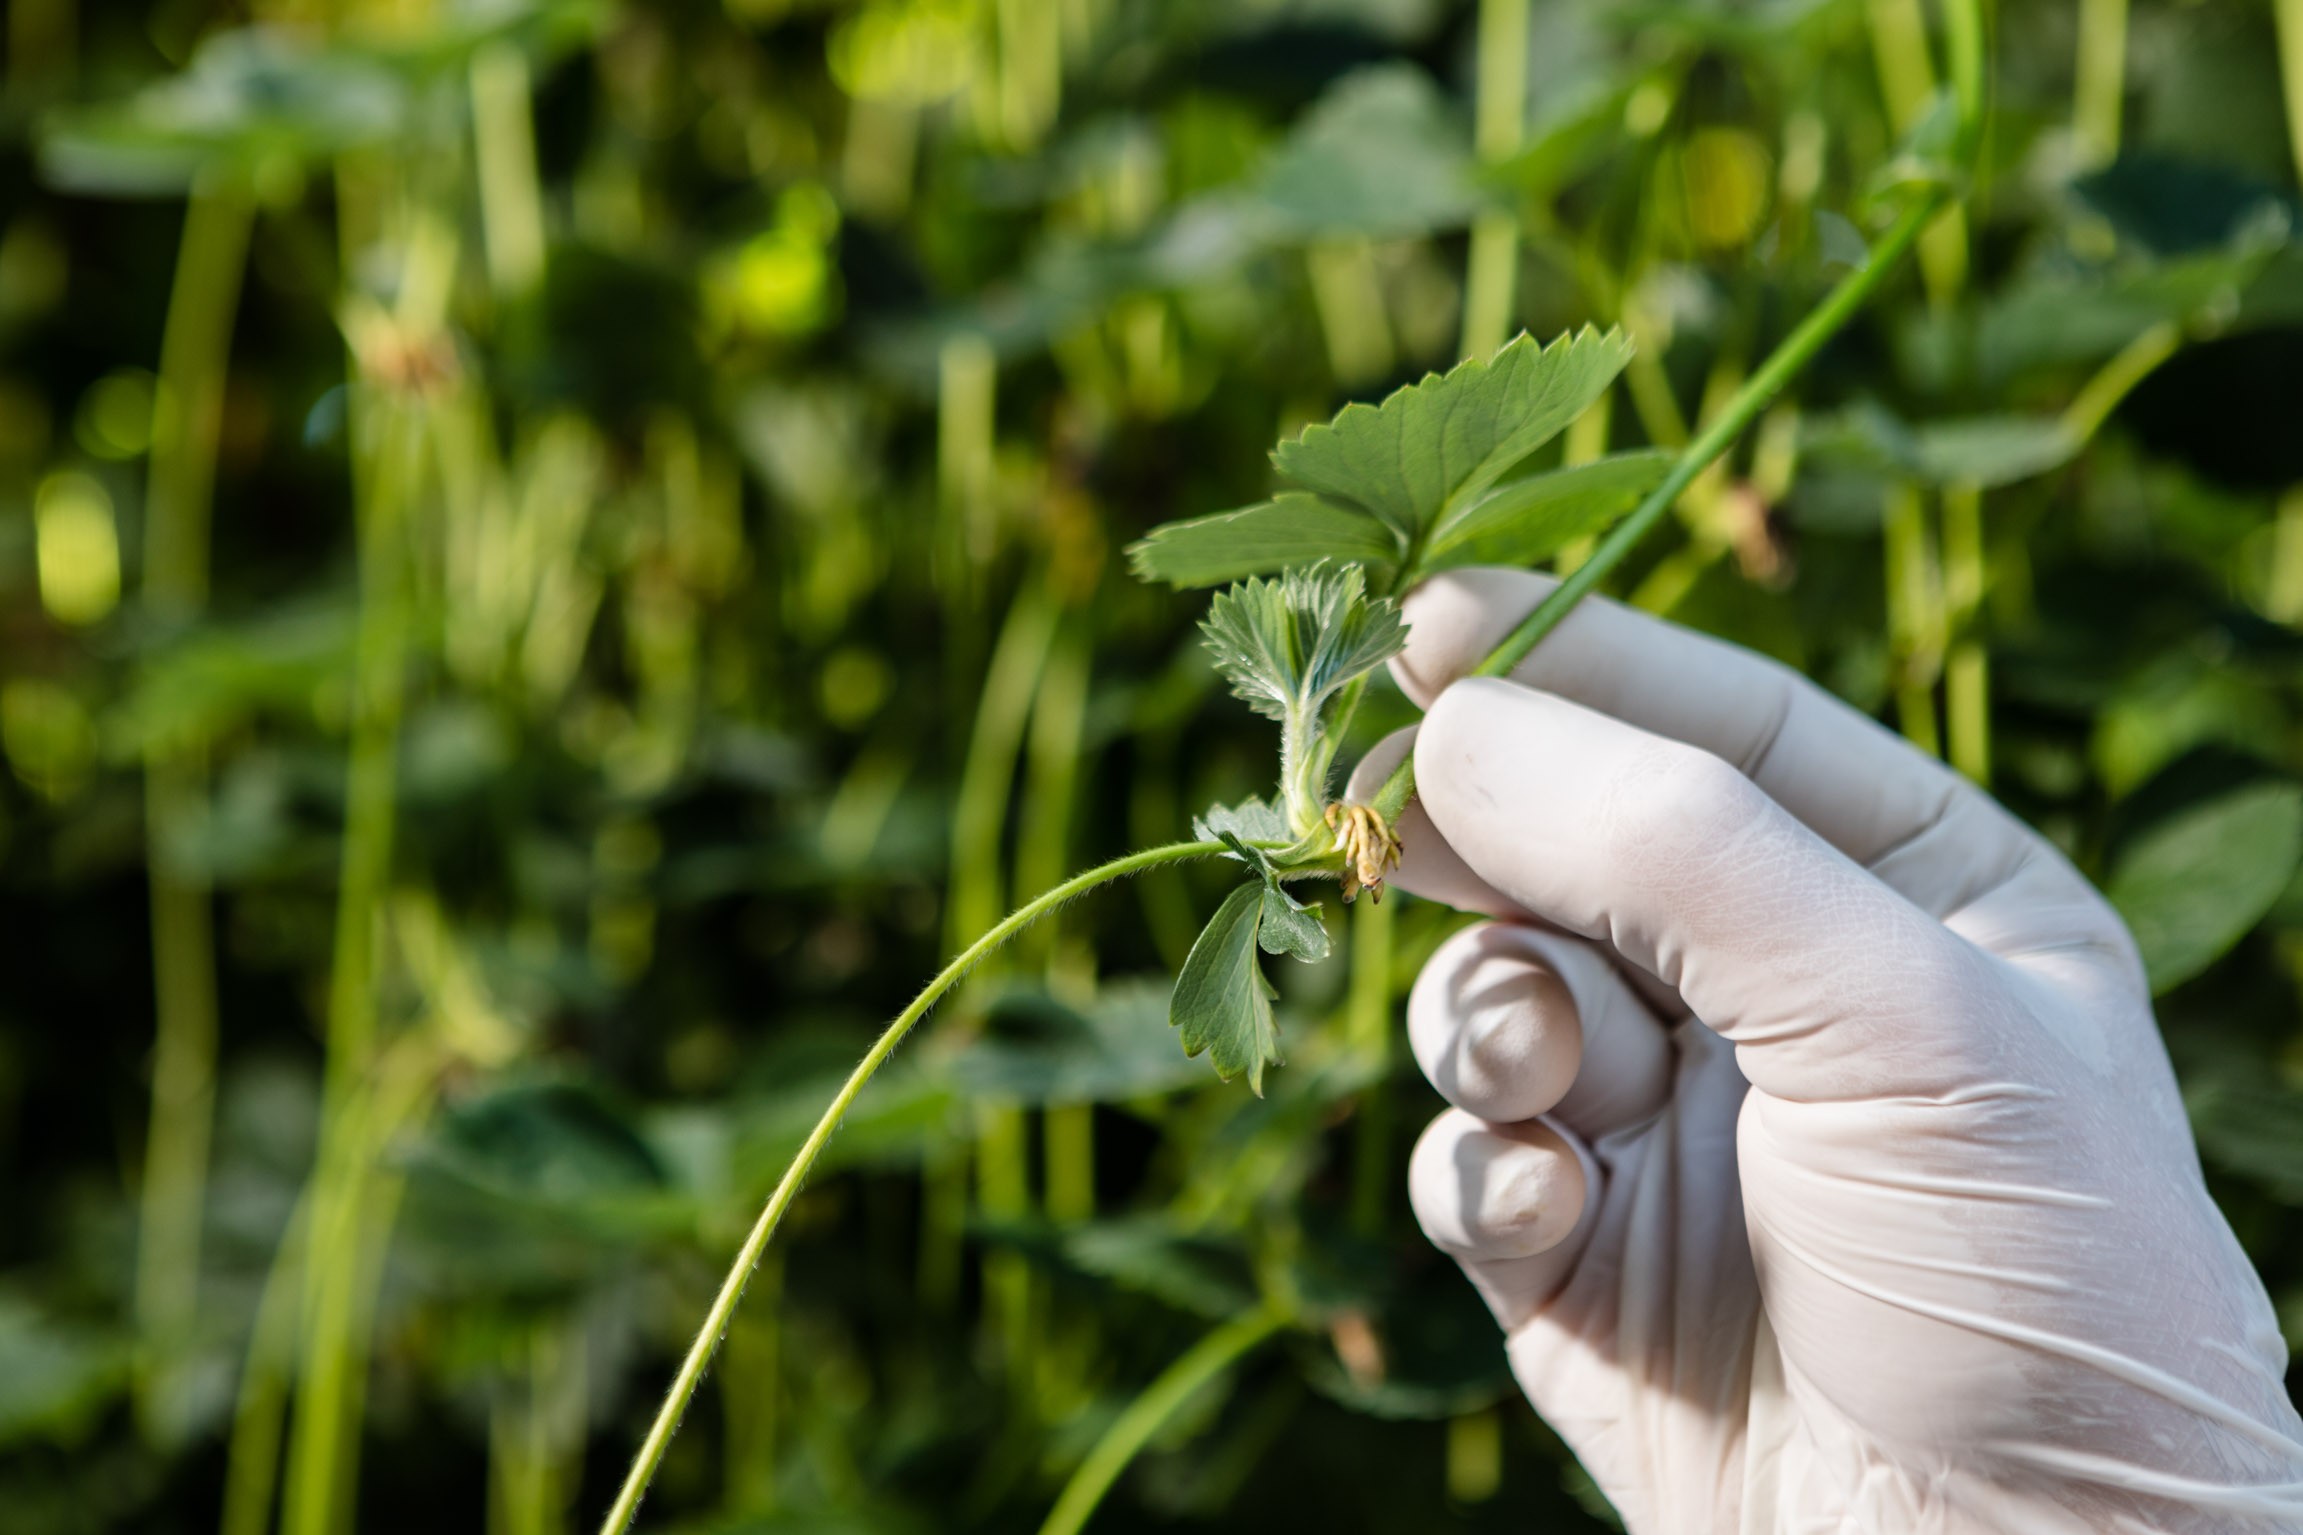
[[1383, 153], [2193, 885]]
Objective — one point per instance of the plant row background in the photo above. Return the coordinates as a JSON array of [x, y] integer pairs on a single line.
[[556, 559]]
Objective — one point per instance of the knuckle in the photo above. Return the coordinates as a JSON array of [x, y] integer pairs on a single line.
[[1675, 797]]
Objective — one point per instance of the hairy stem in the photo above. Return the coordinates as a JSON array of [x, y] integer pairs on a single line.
[[1798, 348], [1160, 1401], [627, 1504]]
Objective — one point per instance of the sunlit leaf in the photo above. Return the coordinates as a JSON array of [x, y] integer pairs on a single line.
[[1520, 522], [1290, 529], [1222, 1004], [2193, 885], [1433, 447]]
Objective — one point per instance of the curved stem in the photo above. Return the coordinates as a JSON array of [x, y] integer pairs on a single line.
[[187, 422], [1145, 1416], [707, 1342]]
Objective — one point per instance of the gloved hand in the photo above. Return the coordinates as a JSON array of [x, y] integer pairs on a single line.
[[1813, 1141]]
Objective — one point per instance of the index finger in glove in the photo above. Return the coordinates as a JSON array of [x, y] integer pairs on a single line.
[[1831, 984], [1923, 830]]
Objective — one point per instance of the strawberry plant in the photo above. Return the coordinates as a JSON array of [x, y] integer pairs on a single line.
[[555, 556], [1380, 497]]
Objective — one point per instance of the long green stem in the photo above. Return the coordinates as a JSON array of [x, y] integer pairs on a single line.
[[1492, 274], [2100, 87], [1967, 664], [252, 1462], [187, 421], [323, 1445], [1757, 393], [627, 1504], [1160, 1401], [2288, 14], [1367, 1008], [2116, 379], [1821, 324]]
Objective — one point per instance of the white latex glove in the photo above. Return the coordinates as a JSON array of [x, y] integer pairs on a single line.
[[1813, 1140]]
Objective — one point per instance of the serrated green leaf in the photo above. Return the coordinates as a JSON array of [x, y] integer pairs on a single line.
[[1290, 927], [1292, 528], [1251, 820], [1522, 521], [1433, 447], [1286, 645], [1222, 1004], [2194, 885]]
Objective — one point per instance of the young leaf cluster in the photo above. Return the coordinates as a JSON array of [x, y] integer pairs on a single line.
[[1287, 647]]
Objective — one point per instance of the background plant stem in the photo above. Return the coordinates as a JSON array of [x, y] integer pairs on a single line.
[[2099, 88], [323, 1442], [1491, 280], [1144, 1416], [187, 420], [1367, 1008]]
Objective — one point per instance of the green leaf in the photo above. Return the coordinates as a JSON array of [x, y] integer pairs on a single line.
[[250, 97], [1251, 820], [1522, 521], [1110, 1051], [1433, 447], [1290, 529], [1290, 927], [1984, 451], [1151, 1254], [1285, 645], [1381, 154], [2193, 885], [1990, 451], [56, 1377], [2253, 1127], [1222, 1004]]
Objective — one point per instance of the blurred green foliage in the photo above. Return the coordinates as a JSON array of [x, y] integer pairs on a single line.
[[662, 576]]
